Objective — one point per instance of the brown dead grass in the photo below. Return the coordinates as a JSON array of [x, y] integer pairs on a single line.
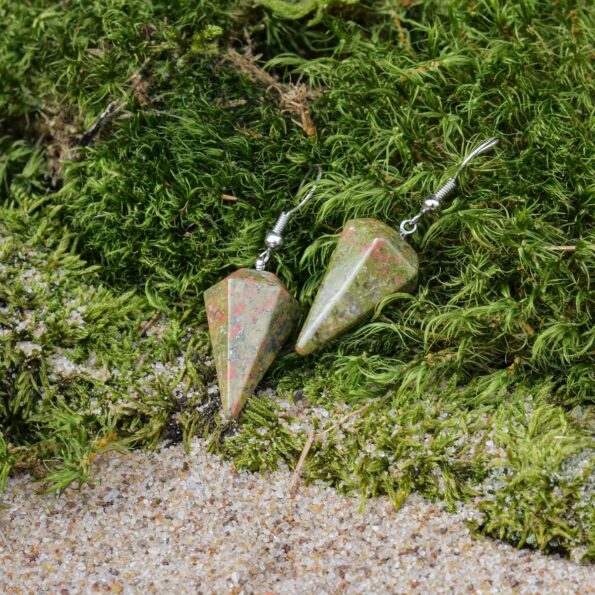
[[294, 98]]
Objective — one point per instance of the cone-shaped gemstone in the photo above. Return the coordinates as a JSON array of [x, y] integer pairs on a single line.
[[370, 262], [250, 315]]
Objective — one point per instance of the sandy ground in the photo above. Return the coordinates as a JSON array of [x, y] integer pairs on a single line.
[[190, 523]]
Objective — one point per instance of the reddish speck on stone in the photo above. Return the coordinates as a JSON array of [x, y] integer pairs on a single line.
[[239, 309], [236, 329]]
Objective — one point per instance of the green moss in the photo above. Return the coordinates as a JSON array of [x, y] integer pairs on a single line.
[[477, 389], [540, 491], [80, 369], [297, 9], [174, 232]]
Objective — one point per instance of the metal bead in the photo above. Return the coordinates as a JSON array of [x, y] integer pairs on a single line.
[[273, 240], [431, 204]]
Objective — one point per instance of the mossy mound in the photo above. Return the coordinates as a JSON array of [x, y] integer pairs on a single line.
[[478, 388]]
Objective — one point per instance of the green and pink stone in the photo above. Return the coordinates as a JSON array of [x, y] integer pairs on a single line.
[[371, 261], [250, 316]]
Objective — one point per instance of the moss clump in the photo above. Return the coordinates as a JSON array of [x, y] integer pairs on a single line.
[[479, 388], [225, 157], [301, 8], [81, 369]]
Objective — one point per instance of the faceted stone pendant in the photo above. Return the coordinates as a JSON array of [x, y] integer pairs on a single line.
[[370, 262], [250, 315]]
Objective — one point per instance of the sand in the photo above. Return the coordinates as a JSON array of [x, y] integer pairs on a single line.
[[165, 522]]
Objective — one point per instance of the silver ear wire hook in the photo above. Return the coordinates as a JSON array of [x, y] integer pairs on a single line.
[[486, 146], [274, 238], [309, 194], [434, 202]]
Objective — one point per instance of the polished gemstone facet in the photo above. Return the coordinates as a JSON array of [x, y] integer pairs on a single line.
[[250, 315], [370, 262]]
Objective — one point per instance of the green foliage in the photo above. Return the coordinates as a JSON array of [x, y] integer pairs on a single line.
[[58, 59], [478, 388], [7, 461], [297, 9], [77, 374], [540, 493], [175, 233], [265, 425]]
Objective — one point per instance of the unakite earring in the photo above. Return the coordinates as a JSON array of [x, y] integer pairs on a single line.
[[370, 262], [250, 314]]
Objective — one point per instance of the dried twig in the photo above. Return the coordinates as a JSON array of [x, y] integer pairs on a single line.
[[294, 98], [567, 248], [106, 115], [301, 462], [149, 324], [116, 106]]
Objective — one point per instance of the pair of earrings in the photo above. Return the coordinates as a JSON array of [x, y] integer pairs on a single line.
[[251, 314]]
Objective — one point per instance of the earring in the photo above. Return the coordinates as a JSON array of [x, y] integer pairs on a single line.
[[250, 315], [370, 262]]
